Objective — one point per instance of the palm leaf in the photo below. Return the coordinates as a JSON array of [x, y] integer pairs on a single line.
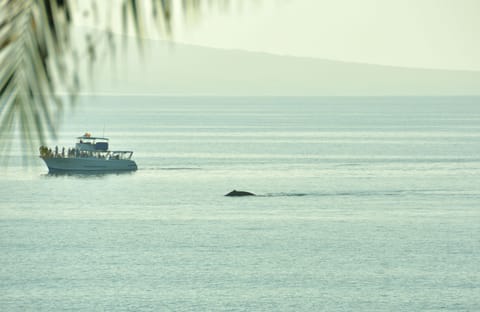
[[27, 99], [37, 59]]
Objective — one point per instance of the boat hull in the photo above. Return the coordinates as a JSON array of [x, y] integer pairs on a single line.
[[89, 165]]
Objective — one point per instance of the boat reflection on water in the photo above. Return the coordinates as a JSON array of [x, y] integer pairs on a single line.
[[86, 174], [90, 156]]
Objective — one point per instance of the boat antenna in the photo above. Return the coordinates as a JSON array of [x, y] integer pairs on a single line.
[[103, 135]]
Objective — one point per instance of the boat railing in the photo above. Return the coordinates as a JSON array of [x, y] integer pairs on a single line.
[[120, 155], [46, 152]]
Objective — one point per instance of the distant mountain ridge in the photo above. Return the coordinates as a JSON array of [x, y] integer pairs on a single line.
[[178, 69]]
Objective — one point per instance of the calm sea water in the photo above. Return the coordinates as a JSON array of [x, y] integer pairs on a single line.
[[367, 204]]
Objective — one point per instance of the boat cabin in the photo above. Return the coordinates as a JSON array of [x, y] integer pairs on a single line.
[[87, 143]]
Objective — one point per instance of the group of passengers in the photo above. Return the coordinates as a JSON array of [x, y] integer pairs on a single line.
[[49, 153], [46, 152]]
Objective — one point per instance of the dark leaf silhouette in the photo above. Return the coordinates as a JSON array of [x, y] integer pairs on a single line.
[[38, 57]]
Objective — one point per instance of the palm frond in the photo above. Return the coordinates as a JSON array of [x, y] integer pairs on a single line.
[[27, 97], [37, 58]]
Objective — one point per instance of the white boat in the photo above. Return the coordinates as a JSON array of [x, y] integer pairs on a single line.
[[91, 154]]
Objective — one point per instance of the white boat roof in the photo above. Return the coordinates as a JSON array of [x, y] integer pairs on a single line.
[[91, 138]]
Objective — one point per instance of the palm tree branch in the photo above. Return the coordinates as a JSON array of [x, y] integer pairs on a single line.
[[37, 58]]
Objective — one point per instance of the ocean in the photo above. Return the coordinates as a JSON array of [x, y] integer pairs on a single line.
[[364, 204]]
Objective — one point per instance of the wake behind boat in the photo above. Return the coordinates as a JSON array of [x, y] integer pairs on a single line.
[[91, 154]]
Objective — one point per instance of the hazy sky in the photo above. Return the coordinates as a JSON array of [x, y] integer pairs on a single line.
[[412, 33], [439, 34], [431, 34]]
